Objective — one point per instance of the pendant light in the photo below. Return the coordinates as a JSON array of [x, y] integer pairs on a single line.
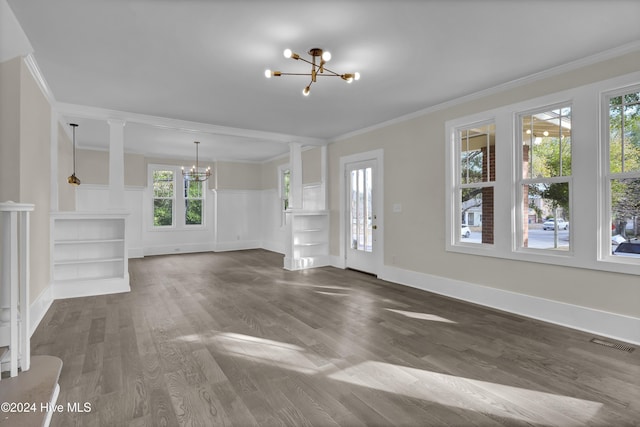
[[73, 179], [195, 174]]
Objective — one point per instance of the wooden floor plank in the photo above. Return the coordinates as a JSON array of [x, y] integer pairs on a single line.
[[233, 339]]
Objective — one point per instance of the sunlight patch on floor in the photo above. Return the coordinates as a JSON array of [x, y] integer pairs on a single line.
[[334, 294], [469, 394], [260, 350], [421, 316]]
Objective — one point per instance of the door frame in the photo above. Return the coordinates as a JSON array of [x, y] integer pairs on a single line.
[[378, 204]]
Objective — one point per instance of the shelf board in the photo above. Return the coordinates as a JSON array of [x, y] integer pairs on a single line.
[[88, 278], [86, 261], [308, 213], [87, 241]]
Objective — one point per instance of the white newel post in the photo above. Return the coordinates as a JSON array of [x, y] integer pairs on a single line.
[[14, 284], [116, 164]]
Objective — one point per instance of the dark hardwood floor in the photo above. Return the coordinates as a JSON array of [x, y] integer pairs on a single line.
[[216, 339]]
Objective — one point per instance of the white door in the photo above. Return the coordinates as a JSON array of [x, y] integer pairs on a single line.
[[362, 220]]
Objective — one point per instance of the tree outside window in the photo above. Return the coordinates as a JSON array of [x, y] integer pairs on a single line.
[[163, 196], [193, 202], [624, 165]]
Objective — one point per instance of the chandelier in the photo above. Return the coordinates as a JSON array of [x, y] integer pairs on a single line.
[[195, 174], [73, 179], [317, 69]]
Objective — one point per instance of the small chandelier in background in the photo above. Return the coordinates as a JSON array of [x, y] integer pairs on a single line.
[[73, 179], [316, 69], [195, 174]]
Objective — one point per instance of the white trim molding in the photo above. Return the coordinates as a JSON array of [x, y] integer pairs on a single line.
[[39, 307], [616, 326]]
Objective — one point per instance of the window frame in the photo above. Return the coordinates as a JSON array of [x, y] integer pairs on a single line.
[[521, 182], [202, 198], [154, 198], [459, 185], [604, 246], [590, 239], [179, 220]]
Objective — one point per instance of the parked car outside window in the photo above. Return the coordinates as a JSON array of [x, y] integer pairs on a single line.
[[551, 224], [465, 231]]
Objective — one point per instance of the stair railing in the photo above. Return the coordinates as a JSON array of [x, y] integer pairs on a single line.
[[14, 284]]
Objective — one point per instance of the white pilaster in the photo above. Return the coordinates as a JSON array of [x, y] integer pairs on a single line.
[[324, 173], [53, 180], [295, 160], [116, 164]]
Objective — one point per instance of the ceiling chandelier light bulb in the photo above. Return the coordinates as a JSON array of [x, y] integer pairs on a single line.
[[318, 60]]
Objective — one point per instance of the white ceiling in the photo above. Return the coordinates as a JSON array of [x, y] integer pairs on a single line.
[[201, 63]]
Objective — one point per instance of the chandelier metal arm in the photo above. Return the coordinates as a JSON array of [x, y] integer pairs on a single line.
[[317, 69], [195, 174]]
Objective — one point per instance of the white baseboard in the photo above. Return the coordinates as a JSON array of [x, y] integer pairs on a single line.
[[616, 326], [337, 261], [177, 249], [37, 311], [277, 247], [39, 307], [237, 245], [136, 253]]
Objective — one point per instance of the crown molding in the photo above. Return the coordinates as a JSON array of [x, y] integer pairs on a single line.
[[551, 72], [96, 113], [32, 66]]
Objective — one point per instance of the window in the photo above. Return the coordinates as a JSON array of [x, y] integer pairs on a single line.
[[163, 198], [170, 212], [623, 175], [475, 147], [545, 159], [193, 202], [517, 187]]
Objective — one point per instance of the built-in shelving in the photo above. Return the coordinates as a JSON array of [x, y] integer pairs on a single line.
[[89, 253], [308, 239]]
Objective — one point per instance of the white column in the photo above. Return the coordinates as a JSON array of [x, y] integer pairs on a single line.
[[53, 181], [324, 173], [116, 164], [295, 160]]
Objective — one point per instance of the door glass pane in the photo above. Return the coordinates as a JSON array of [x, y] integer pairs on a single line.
[[361, 217]]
